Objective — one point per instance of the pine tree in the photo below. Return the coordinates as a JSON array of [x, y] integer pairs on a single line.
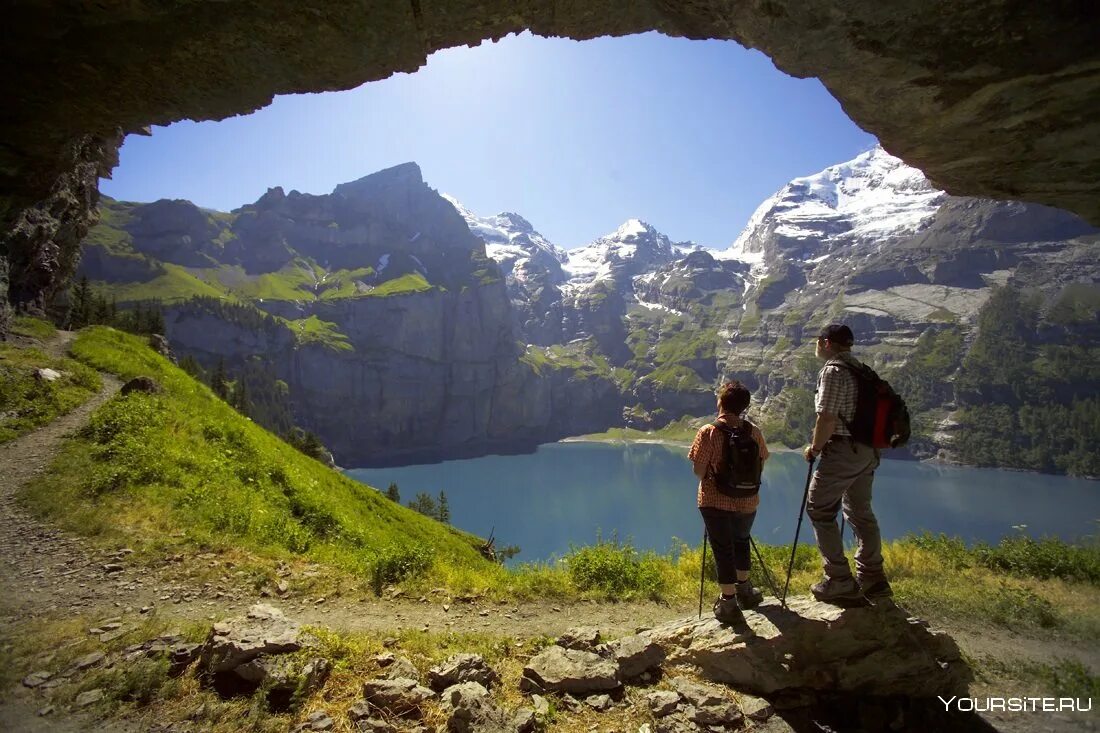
[[425, 504], [156, 319], [139, 321], [313, 447], [240, 397], [218, 381], [192, 367], [393, 493], [444, 512], [81, 309]]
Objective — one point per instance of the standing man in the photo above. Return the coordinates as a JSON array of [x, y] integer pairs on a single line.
[[729, 519], [843, 478]]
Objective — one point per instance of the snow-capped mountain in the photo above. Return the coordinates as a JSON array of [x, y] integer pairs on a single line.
[[871, 199], [522, 253], [632, 249]]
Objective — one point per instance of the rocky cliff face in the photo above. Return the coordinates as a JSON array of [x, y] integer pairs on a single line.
[[393, 331]]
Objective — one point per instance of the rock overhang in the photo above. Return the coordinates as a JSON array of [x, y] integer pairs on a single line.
[[993, 98]]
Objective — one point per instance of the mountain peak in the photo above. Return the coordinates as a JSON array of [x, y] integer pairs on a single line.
[[870, 198], [631, 229], [405, 174]]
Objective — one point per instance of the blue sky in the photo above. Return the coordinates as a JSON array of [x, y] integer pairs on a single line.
[[577, 137]]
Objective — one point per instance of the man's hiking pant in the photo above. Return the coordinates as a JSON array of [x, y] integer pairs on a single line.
[[730, 537], [843, 477]]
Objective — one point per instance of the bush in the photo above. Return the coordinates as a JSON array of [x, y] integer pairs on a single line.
[[1021, 556], [616, 569], [1071, 678], [395, 563], [1045, 558], [1013, 606]]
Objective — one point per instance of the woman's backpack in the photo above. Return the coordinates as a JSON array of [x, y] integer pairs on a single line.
[[739, 469]]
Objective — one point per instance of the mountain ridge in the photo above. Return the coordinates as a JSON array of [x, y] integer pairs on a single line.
[[633, 323]]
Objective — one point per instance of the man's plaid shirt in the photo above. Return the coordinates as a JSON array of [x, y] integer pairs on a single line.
[[836, 391], [705, 453]]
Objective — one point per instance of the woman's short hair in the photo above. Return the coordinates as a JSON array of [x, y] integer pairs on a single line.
[[734, 397]]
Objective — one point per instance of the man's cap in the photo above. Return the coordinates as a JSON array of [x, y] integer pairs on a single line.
[[838, 333]]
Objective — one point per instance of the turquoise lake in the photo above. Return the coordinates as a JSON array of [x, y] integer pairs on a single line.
[[569, 493]]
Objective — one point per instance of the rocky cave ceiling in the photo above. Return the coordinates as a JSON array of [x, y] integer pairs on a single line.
[[992, 98]]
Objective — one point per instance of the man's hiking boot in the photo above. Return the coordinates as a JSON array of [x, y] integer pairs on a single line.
[[878, 590], [728, 612], [840, 591], [748, 596]]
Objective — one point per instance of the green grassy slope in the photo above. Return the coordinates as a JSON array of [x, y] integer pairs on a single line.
[[182, 468], [27, 403]]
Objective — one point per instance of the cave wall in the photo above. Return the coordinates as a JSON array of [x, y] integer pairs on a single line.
[[991, 98]]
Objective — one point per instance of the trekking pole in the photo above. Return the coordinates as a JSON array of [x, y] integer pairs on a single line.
[[798, 528], [842, 527], [702, 571], [764, 568]]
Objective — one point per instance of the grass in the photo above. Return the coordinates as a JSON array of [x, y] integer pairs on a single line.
[[31, 327], [677, 431], [1021, 556], [314, 330], [412, 282], [176, 284], [181, 469], [26, 402], [582, 357]]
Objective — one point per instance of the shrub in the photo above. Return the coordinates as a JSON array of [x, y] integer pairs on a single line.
[[1019, 555], [1045, 558], [1013, 606], [616, 569], [1071, 678], [395, 563]]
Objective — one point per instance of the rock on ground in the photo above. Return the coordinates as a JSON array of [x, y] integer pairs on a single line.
[[874, 650]]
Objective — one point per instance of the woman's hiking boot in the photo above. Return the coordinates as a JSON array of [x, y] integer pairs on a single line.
[[840, 591], [748, 596], [728, 612]]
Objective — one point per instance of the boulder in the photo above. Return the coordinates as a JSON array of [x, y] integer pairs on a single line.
[[146, 385], [584, 638], [570, 670], [159, 344], [525, 721], [89, 660], [599, 703], [470, 709], [401, 668], [34, 679], [236, 656], [402, 697], [756, 708], [90, 697], [706, 704], [284, 678], [47, 375], [662, 702], [462, 668], [635, 655], [873, 650]]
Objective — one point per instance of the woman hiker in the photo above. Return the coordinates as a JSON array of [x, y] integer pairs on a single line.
[[728, 497]]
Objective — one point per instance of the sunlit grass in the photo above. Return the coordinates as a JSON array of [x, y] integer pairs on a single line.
[[26, 402]]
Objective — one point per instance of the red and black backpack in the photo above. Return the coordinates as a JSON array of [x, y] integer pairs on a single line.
[[882, 419]]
